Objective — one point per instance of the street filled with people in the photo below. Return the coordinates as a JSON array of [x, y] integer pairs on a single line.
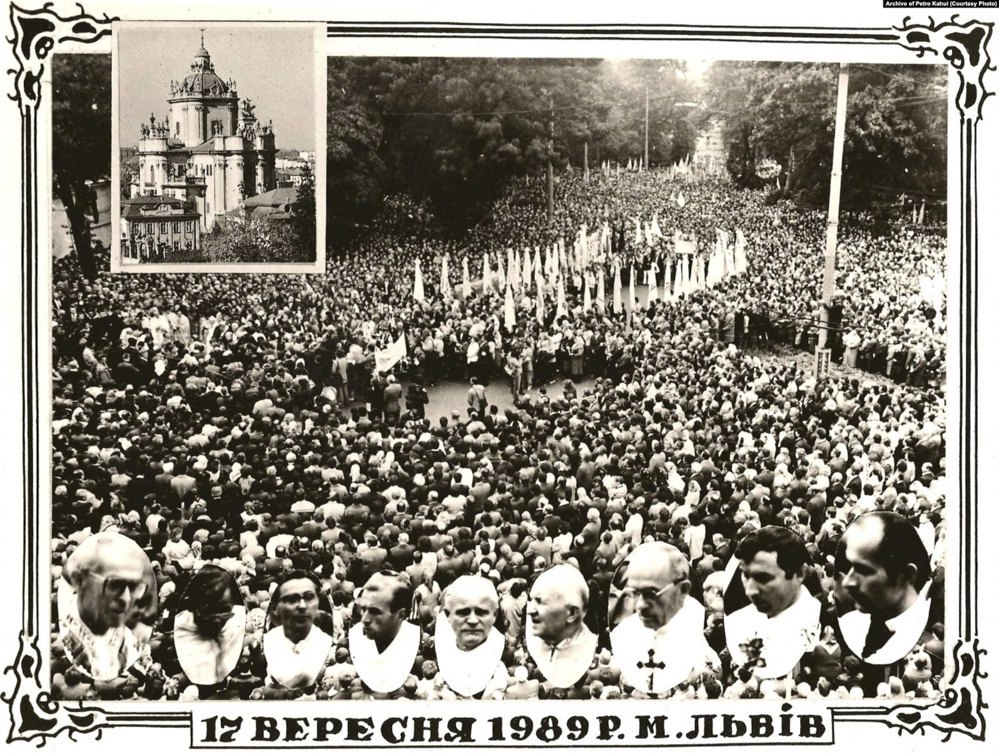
[[275, 426]]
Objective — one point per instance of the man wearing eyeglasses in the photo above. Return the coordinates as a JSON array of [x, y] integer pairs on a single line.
[[557, 638], [295, 649], [383, 645], [103, 581], [661, 644]]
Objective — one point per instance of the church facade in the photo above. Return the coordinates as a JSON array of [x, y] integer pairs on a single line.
[[210, 155]]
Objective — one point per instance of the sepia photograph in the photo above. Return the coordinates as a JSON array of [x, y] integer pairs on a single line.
[[217, 143], [429, 365]]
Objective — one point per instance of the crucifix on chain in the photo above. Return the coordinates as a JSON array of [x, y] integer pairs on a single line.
[[652, 665]]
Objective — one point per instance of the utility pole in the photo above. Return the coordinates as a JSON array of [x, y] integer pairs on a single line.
[[586, 162], [646, 128], [829, 275], [551, 148]]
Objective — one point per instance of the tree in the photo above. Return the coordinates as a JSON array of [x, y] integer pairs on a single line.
[[455, 132], [256, 241], [81, 141], [304, 209], [784, 112]]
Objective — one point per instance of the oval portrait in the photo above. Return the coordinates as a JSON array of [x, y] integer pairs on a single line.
[[299, 632], [882, 587], [107, 603], [210, 625], [657, 628], [384, 643], [772, 619], [469, 646], [555, 633]]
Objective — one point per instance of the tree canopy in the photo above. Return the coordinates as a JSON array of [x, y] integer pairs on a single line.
[[785, 112], [456, 131], [81, 140]]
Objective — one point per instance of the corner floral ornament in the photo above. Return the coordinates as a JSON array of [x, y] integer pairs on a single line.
[[36, 33]]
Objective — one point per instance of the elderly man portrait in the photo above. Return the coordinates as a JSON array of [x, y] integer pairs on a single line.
[[781, 615], [557, 637], [383, 645], [103, 582], [662, 643], [469, 646], [883, 568], [295, 648], [208, 630]]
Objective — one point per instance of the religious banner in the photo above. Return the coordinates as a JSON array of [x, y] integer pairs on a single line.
[[386, 358], [418, 294]]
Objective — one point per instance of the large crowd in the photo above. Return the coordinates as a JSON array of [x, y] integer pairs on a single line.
[[239, 421]]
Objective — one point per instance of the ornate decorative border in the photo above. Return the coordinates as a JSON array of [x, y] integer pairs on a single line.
[[36, 717]]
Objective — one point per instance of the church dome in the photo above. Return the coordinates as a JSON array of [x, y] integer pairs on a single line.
[[203, 80]]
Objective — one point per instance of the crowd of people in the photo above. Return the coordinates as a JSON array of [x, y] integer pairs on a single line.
[[239, 421]]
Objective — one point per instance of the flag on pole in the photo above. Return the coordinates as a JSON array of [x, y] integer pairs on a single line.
[[653, 293], [500, 272], [617, 288], [466, 282], [509, 314], [539, 284], [631, 290], [487, 274], [680, 201], [560, 306], [656, 229], [446, 292], [638, 231], [525, 269], [600, 289], [922, 211], [587, 301], [418, 283], [513, 268], [549, 262]]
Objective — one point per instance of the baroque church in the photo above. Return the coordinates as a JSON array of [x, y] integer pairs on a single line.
[[200, 164]]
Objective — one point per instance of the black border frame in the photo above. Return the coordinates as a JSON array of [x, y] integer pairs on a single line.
[[36, 717]]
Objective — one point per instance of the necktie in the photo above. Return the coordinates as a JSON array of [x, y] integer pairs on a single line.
[[877, 635]]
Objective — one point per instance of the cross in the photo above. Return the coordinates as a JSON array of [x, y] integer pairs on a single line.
[[652, 665]]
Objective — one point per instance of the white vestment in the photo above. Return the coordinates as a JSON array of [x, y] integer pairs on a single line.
[[786, 637], [386, 671], [655, 661]]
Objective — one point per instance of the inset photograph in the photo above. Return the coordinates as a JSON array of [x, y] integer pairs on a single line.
[[384, 644], [106, 600], [771, 617], [468, 644], [658, 640], [210, 625], [555, 633], [882, 587], [295, 644], [220, 144]]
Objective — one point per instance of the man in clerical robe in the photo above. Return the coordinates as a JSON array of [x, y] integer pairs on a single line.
[[884, 569], [661, 644], [469, 647], [557, 637], [782, 617], [383, 645]]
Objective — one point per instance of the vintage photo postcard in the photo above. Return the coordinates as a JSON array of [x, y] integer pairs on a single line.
[[497, 378], [219, 130]]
